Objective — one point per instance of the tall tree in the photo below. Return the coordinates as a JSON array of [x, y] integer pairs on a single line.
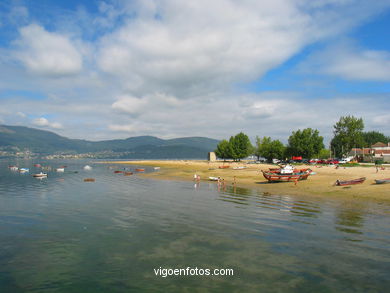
[[306, 143], [269, 149], [372, 137], [223, 150], [241, 146], [348, 133]]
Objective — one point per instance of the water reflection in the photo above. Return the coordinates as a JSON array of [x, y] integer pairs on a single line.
[[350, 219]]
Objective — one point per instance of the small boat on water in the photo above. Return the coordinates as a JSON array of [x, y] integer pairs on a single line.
[[156, 168], [37, 165], [350, 182], [13, 168], [382, 181], [87, 167], [24, 170], [60, 169], [40, 175], [118, 171], [128, 173], [140, 170], [89, 179]]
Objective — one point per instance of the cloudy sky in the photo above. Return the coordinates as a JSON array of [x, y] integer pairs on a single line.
[[172, 68]]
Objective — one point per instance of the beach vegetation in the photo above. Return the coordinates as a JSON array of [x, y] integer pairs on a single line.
[[372, 137], [348, 134], [269, 149], [240, 146], [306, 143], [223, 150]]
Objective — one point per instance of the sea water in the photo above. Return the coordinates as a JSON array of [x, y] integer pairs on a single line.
[[126, 233]]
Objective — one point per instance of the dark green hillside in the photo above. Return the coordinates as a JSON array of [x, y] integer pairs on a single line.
[[145, 147]]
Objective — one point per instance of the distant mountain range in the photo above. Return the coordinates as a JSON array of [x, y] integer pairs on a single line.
[[20, 138]]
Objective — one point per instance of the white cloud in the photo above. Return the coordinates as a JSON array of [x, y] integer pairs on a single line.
[[43, 122], [347, 61], [47, 53], [21, 114], [129, 105]]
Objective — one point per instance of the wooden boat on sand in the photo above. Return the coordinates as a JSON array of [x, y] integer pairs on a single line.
[[286, 174], [350, 182], [224, 167], [140, 170], [382, 181]]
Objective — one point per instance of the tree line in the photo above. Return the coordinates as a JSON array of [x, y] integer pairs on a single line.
[[307, 143]]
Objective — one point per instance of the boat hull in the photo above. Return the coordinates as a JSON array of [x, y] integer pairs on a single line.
[[382, 181], [276, 177], [350, 182]]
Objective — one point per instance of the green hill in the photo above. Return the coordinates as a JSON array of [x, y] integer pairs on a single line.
[[146, 147]]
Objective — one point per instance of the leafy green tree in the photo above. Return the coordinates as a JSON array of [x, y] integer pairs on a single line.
[[269, 149], [372, 137], [348, 133], [223, 150], [324, 154], [241, 146], [306, 143]]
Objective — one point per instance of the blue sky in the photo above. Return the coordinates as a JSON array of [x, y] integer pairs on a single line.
[[170, 68]]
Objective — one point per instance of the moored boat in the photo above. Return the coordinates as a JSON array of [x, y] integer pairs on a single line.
[[87, 167], [211, 178], [13, 168], [40, 175], [128, 173], [286, 175], [61, 169], [140, 170], [118, 171], [382, 181], [350, 182], [24, 170]]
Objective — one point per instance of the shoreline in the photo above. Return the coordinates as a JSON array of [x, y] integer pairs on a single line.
[[318, 185]]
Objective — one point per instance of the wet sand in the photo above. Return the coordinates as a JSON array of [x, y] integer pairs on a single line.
[[321, 184]]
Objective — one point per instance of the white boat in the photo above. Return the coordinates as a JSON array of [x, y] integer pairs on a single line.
[[288, 169], [24, 170], [87, 167], [239, 168], [156, 168], [60, 169], [13, 168], [214, 178], [40, 175]]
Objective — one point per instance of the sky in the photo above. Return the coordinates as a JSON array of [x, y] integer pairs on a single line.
[[170, 68]]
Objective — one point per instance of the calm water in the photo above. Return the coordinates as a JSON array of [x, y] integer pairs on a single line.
[[61, 234]]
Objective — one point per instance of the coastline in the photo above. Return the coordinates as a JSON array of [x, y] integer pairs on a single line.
[[320, 185]]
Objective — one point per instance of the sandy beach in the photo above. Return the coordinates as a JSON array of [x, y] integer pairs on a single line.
[[320, 184]]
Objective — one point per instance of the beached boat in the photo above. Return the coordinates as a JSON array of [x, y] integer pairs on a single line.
[[286, 174], [118, 171], [40, 175], [350, 182], [275, 177], [156, 168], [140, 170], [89, 180], [128, 173], [382, 181], [224, 167], [239, 168], [214, 178]]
